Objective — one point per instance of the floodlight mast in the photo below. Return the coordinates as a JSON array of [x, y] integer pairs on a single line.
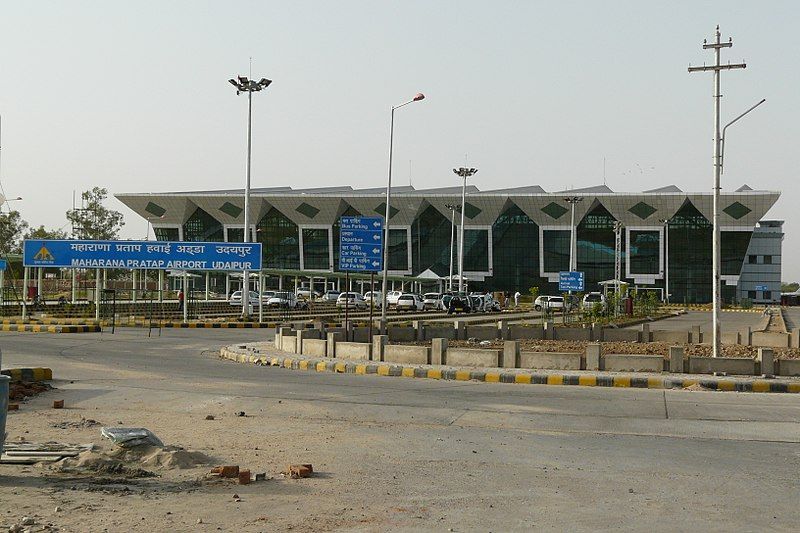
[[249, 86]]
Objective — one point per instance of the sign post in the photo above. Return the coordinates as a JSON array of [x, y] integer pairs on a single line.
[[570, 281], [360, 250], [3, 266]]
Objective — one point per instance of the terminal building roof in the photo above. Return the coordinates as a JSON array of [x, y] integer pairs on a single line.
[[741, 208]]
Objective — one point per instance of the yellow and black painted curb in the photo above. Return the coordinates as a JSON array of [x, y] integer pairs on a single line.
[[199, 325], [529, 378], [28, 374], [54, 321], [43, 328]]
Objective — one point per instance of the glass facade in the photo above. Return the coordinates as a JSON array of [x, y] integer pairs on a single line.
[[280, 239], [202, 227], [690, 236], [555, 245], [515, 252], [476, 250], [733, 247], [316, 249], [235, 234], [398, 249], [167, 234], [596, 247], [430, 243], [644, 251]]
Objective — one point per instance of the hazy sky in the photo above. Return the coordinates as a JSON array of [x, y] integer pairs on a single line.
[[133, 96]]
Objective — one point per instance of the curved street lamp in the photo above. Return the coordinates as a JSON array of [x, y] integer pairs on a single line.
[[417, 98]]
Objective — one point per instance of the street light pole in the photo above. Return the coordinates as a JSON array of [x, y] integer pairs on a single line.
[[452, 208], [666, 222], [243, 84], [464, 173], [716, 68], [573, 235], [384, 285]]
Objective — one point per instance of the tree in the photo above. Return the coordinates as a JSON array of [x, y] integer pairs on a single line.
[[94, 220], [42, 233], [12, 228], [790, 287]]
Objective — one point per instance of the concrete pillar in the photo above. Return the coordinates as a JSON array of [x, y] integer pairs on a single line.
[[227, 284], [461, 330], [747, 336], [510, 354], [378, 343], [419, 333], [676, 359], [339, 284], [502, 329], [303, 334], [439, 352], [333, 338], [766, 357], [97, 294], [278, 338], [644, 334], [593, 356], [74, 286], [597, 332], [208, 283], [280, 282], [296, 284], [794, 338], [697, 337], [40, 282], [26, 274], [549, 330]]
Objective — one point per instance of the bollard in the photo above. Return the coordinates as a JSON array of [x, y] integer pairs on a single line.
[[418, 332], [766, 358], [439, 351], [461, 330], [333, 338], [644, 334], [676, 359], [502, 329], [697, 337], [549, 333], [510, 354], [593, 356], [378, 344]]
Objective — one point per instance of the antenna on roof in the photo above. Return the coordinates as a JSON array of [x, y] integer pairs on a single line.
[[604, 171], [409, 173]]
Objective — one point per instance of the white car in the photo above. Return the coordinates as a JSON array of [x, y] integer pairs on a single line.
[[351, 300], [283, 299], [307, 294], [593, 298], [432, 300], [236, 298], [392, 297], [552, 303], [330, 296], [410, 302], [374, 298]]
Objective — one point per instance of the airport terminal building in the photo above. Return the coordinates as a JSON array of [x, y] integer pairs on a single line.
[[514, 238]]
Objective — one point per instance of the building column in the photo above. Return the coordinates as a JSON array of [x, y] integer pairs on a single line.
[[133, 285]]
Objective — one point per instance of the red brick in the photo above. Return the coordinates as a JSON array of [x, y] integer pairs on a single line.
[[244, 477]]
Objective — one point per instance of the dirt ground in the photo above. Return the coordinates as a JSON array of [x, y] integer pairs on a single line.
[[644, 348]]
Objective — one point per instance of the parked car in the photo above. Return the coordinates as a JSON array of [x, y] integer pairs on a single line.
[[553, 303], [432, 300], [236, 298], [308, 294], [351, 300], [330, 296], [457, 303], [484, 303], [392, 297], [410, 302], [593, 298], [283, 299], [374, 298]]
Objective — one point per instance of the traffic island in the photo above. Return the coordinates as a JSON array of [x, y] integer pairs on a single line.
[[260, 354]]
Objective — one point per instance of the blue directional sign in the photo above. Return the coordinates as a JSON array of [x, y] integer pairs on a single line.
[[157, 255], [570, 281], [762, 288], [361, 244], [3, 264]]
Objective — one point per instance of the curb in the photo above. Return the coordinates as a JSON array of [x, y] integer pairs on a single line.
[[40, 328], [529, 378], [198, 325], [28, 374]]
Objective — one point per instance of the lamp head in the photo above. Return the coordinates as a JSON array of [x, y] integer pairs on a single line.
[[418, 97]]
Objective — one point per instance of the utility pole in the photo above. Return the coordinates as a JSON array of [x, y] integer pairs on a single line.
[[716, 68], [618, 227]]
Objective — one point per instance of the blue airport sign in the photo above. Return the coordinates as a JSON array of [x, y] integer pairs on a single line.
[[361, 244], [762, 288], [570, 281], [3, 264], [157, 255]]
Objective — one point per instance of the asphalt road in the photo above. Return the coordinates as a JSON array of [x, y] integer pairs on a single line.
[[729, 321], [468, 456]]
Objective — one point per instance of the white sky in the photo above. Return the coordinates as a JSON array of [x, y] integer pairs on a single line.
[[134, 96]]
